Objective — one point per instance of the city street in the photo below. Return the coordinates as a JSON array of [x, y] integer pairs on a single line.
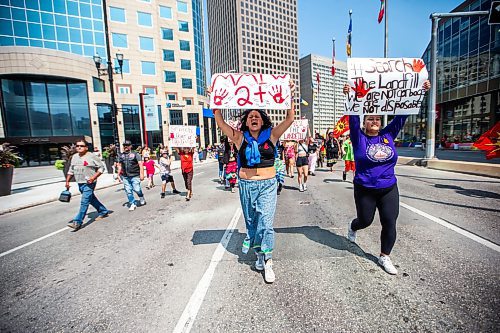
[[163, 268], [450, 155]]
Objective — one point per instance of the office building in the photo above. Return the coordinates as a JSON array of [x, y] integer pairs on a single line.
[[254, 36], [52, 92], [468, 74], [324, 98]]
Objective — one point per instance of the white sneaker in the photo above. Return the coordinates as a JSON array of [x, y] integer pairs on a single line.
[[386, 263], [132, 207], [301, 188], [268, 271], [351, 234], [305, 187], [143, 201], [259, 264]]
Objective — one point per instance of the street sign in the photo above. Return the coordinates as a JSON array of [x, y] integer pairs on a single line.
[[494, 17]]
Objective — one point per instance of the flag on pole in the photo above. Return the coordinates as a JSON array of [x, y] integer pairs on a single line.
[[333, 58], [317, 79], [349, 32], [303, 102], [341, 127], [490, 142], [381, 11]]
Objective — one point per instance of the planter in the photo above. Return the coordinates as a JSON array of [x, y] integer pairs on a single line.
[[6, 175]]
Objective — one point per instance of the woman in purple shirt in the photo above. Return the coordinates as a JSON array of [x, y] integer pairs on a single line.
[[375, 184]]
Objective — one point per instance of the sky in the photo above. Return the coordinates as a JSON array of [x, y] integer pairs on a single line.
[[409, 26]]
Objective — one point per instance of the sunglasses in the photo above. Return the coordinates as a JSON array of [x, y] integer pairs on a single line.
[[81, 145]]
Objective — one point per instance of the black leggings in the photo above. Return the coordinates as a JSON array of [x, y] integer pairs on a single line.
[[387, 202]]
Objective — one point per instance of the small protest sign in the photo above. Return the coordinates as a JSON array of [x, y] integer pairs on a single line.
[[250, 91], [385, 86], [182, 136], [296, 132]]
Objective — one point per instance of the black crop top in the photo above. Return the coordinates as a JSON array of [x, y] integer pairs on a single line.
[[266, 155]]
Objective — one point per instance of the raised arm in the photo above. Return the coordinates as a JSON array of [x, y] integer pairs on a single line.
[[235, 135], [278, 131]]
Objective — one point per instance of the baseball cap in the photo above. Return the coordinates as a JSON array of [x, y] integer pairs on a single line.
[[127, 143]]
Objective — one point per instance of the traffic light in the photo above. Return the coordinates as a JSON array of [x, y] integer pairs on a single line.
[[494, 13]]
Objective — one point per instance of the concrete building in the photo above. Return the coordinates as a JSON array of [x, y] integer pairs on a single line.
[[326, 104], [468, 74], [254, 36], [52, 92]]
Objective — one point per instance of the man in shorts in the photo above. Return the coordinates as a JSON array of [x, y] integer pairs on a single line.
[[165, 173]]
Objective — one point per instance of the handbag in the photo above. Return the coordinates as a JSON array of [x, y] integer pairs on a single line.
[[65, 196]]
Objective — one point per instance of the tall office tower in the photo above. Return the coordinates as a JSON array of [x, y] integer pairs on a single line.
[[52, 92], [255, 36], [325, 98]]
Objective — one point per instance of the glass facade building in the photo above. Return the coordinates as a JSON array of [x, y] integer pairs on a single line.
[[199, 53], [64, 25], [468, 76]]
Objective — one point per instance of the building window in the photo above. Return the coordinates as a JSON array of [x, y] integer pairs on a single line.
[[176, 117], [167, 34], [105, 124], [131, 123], [171, 96], [165, 12], [187, 83], [188, 101], [146, 43], [193, 119], [168, 55], [182, 6], [117, 14], [125, 66], [98, 85], [144, 19], [183, 26], [170, 76], [124, 88], [148, 68], [150, 90], [186, 64], [184, 45], [119, 40]]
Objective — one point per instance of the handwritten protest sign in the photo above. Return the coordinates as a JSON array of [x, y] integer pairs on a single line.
[[182, 136], [250, 91], [296, 132], [391, 86]]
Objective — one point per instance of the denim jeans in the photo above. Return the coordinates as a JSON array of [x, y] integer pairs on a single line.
[[258, 202], [88, 198], [131, 185]]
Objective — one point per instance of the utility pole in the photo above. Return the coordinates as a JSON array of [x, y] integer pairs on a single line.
[[386, 45]]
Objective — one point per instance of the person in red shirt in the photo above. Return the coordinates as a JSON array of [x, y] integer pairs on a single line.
[[149, 164], [186, 155]]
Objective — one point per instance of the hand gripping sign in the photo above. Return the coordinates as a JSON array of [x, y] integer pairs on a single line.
[[296, 132], [182, 136], [250, 91], [385, 86]]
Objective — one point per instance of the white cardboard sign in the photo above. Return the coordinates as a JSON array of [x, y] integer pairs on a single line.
[[385, 86], [296, 132], [250, 91], [182, 136]]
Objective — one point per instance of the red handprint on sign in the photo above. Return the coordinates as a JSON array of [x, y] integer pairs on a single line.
[[359, 88], [418, 65], [277, 93], [243, 101], [219, 96]]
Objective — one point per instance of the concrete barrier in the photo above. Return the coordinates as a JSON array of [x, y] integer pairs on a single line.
[[473, 168]]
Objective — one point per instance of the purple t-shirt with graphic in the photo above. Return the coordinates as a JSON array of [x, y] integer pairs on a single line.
[[375, 156]]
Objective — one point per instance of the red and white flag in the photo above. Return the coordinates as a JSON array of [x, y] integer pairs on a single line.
[[490, 142], [381, 11], [333, 59]]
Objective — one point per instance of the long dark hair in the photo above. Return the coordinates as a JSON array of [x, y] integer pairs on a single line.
[[265, 119]]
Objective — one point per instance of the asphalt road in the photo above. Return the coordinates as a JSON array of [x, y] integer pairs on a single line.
[[162, 265], [451, 155]]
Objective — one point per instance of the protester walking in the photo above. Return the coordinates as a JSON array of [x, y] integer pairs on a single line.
[[164, 163], [150, 166], [312, 149], [375, 184], [86, 167], [348, 157], [257, 140], [186, 156], [130, 167], [220, 159], [290, 158], [302, 163], [230, 156], [332, 151]]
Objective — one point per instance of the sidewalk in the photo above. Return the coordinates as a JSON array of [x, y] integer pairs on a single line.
[[39, 185]]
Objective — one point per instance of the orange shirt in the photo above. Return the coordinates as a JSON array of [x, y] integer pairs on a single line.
[[186, 162]]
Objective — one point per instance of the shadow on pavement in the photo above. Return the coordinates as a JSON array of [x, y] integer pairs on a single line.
[[333, 181], [469, 192], [451, 204], [451, 180], [293, 188]]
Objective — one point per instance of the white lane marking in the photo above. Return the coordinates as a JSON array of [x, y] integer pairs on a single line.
[[33, 241], [187, 318], [199, 173], [450, 226]]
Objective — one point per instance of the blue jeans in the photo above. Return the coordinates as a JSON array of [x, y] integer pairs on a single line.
[[131, 185], [88, 198], [258, 202]]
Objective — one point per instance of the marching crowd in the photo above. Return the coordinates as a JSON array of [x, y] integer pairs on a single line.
[[253, 157]]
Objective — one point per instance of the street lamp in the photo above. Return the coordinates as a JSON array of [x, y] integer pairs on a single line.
[[104, 71]]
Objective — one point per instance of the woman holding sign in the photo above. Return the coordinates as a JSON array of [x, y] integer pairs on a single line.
[[256, 141], [375, 184]]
